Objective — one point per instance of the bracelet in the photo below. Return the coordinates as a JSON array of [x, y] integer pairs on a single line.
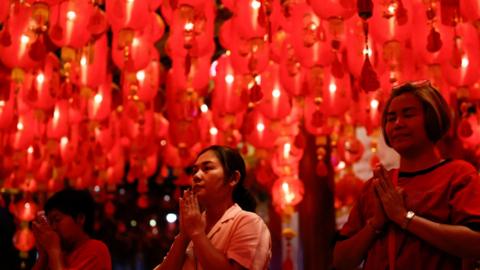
[[375, 230]]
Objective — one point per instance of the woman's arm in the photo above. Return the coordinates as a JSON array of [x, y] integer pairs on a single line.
[[210, 257], [457, 240], [349, 253], [176, 256]]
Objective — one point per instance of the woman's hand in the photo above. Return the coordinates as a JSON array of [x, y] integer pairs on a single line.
[[391, 198], [191, 223], [379, 218]]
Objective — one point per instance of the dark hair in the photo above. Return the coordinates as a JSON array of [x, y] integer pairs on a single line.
[[74, 203], [436, 111], [232, 161]]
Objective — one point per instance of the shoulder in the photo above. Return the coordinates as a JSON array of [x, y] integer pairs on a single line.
[[97, 247], [461, 166]]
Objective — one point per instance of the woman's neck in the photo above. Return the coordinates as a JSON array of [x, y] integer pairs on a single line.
[[422, 160], [214, 212]]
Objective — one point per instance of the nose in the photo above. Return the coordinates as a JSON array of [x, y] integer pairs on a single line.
[[196, 177]]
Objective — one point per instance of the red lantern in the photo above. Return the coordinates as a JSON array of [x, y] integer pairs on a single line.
[[334, 8], [470, 9], [25, 210], [58, 124], [17, 37], [23, 239], [259, 131], [287, 191], [127, 14], [276, 103], [93, 63], [99, 104], [69, 23], [391, 20]]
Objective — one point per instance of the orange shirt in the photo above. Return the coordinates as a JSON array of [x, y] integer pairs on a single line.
[[448, 193], [242, 236], [91, 255]]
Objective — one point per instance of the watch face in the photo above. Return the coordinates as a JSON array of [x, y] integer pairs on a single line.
[[410, 214]]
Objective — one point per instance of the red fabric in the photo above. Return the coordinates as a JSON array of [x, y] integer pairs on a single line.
[[449, 194], [91, 255]]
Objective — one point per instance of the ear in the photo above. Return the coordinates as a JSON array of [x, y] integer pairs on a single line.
[[235, 178], [80, 219]]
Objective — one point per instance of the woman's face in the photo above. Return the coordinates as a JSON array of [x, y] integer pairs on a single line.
[[405, 125], [209, 183]]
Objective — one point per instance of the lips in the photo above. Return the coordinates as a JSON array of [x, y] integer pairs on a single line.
[[196, 188]]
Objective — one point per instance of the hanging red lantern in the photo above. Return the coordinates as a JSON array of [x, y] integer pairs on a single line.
[[23, 239], [250, 20], [58, 124], [191, 73], [25, 210], [470, 10], [391, 20], [127, 14], [69, 23], [347, 189], [131, 50], [250, 55], [333, 8], [276, 103], [99, 104], [287, 191], [16, 39], [230, 93], [259, 131], [464, 62], [93, 63]]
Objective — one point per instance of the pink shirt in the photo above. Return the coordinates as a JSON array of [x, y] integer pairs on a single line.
[[91, 255], [242, 236]]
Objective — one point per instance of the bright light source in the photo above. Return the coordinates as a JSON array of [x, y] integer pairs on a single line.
[[465, 62], [98, 98], [133, 223], [229, 78], [24, 39], [374, 104], [40, 78], [71, 15], [188, 26], [213, 131], [332, 88], [140, 75], [204, 108], [152, 222], [30, 149], [171, 218], [20, 126], [260, 127], [276, 93], [255, 4], [213, 68]]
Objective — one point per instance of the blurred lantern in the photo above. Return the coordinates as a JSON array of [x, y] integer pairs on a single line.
[[347, 189], [391, 20], [276, 103], [25, 210], [287, 191], [23, 239], [93, 63], [259, 131], [131, 14], [69, 23]]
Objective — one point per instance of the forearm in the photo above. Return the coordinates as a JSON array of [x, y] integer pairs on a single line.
[[176, 256], [41, 263], [55, 260], [350, 253], [207, 255], [457, 240]]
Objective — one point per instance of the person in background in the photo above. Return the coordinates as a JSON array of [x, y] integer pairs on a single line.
[[226, 235], [424, 215], [63, 235]]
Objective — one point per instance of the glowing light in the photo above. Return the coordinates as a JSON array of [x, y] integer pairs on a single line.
[[276, 93], [255, 4], [2, 103], [133, 223], [260, 127], [289, 196], [166, 198], [24, 39], [204, 108], [229, 78], [188, 26], [171, 218], [332, 88], [152, 222], [213, 131], [341, 165], [27, 205], [374, 104], [213, 68], [19, 126], [367, 51], [30, 149], [286, 150], [83, 61], [56, 114], [64, 140], [163, 142], [98, 98], [135, 42], [392, 9], [71, 15], [140, 75], [40, 78], [465, 61], [258, 79], [96, 188], [312, 27]]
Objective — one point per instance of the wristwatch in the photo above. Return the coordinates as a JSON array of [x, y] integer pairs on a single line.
[[408, 217]]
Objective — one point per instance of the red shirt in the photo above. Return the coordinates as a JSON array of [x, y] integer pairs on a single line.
[[448, 193], [91, 255]]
